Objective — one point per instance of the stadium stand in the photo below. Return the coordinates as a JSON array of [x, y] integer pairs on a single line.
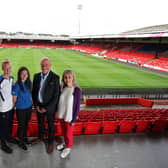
[[37, 44], [25, 45], [12, 45], [49, 45], [158, 64], [152, 56], [3, 45], [112, 101], [109, 121], [139, 54]]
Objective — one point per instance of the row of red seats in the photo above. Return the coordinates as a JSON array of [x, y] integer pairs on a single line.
[[29, 45], [108, 121], [111, 101], [111, 121], [105, 127], [159, 63], [137, 57], [122, 114]]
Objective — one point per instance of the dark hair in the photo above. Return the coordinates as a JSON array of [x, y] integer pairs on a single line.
[[27, 82]]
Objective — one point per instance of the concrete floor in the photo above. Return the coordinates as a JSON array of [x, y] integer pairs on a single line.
[[144, 150]]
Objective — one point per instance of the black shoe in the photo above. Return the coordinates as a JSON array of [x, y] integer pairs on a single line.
[[12, 140], [22, 146], [6, 148], [26, 141], [50, 148]]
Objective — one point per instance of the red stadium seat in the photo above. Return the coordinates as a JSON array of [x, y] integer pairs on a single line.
[[126, 126], [33, 129], [78, 127], [14, 130], [142, 125], [58, 129], [109, 127], [92, 127], [159, 125]]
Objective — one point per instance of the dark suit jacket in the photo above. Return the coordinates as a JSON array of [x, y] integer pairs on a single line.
[[50, 93]]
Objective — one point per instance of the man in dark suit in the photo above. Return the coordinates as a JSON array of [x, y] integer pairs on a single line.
[[45, 94]]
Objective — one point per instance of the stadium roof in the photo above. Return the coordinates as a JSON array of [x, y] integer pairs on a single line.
[[149, 29], [29, 36], [147, 32]]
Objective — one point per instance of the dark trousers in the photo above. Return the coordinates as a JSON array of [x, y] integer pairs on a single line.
[[50, 121], [10, 124], [23, 117], [4, 125]]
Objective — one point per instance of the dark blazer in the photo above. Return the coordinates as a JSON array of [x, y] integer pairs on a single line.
[[51, 91]]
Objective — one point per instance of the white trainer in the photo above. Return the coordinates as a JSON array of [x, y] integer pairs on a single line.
[[60, 147], [65, 153]]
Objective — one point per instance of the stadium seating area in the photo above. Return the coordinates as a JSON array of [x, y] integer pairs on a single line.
[[109, 121], [112, 101], [37, 45], [25, 45], [139, 54], [134, 57], [49, 46], [159, 64], [31, 44], [12, 45]]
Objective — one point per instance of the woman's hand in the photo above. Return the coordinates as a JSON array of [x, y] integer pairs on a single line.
[[72, 124]]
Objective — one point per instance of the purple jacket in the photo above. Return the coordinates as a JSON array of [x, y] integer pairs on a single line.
[[76, 104]]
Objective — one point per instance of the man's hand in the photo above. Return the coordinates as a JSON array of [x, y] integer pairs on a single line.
[[40, 110], [43, 110]]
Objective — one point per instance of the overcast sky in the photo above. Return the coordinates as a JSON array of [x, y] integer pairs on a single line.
[[96, 16]]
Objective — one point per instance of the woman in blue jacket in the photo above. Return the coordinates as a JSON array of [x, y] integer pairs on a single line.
[[23, 103]]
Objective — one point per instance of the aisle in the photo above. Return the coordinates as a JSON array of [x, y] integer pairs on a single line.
[[96, 151]]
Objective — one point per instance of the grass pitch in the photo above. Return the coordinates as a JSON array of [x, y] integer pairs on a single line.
[[91, 72]]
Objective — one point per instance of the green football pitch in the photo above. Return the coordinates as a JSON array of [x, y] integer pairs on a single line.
[[91, 72]]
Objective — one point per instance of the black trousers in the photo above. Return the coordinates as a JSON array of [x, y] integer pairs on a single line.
[[23, 117], [10, 124], [4, 125], [50, 121]]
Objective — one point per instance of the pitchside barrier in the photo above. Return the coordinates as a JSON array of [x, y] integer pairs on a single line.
[[114, 101], [146, 93]]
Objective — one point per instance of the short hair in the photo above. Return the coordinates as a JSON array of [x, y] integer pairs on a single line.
[[4, 62], [45, 58]]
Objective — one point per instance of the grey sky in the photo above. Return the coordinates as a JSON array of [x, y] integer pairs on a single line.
[[96, 17]]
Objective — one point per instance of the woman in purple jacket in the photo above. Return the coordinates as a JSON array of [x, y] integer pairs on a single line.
[[68, 108]]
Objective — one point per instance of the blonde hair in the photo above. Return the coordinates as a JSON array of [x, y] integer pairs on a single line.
[[74, 82], [4, 62]]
